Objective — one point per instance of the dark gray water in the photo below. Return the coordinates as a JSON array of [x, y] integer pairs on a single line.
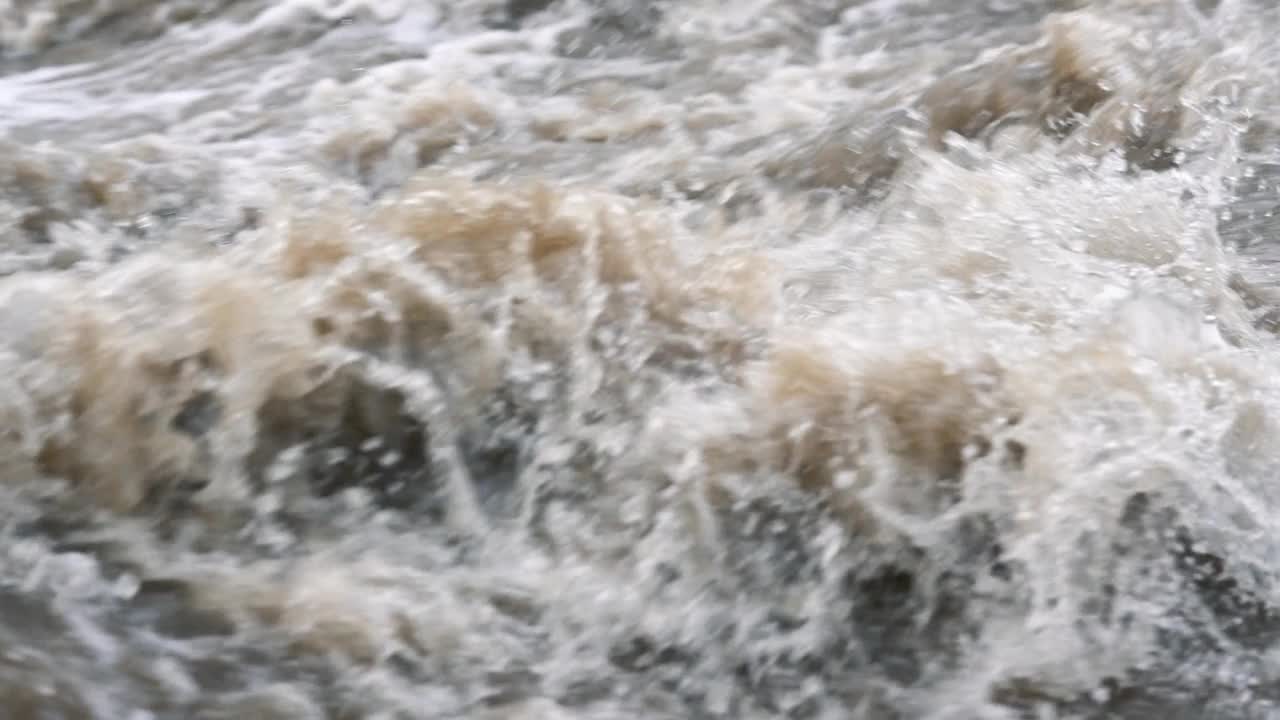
[[554, 359]]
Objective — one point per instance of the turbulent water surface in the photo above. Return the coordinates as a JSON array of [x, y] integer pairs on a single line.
[[558, 359]]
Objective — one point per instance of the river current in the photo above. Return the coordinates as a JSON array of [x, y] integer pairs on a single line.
[[609, 359]]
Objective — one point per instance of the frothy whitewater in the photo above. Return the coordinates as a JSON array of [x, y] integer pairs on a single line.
[[612, 359]]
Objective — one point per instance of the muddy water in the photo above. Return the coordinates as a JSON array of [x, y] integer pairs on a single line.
[[567, 359]]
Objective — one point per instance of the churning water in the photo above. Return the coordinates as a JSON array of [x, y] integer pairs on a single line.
[[534, 359]]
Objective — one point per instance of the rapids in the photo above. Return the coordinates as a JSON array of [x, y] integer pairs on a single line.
[[605, 359]]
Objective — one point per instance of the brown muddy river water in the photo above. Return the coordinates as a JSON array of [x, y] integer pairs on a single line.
[[610, 359]]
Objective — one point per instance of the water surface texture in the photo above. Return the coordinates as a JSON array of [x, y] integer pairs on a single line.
[[612, 359]]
